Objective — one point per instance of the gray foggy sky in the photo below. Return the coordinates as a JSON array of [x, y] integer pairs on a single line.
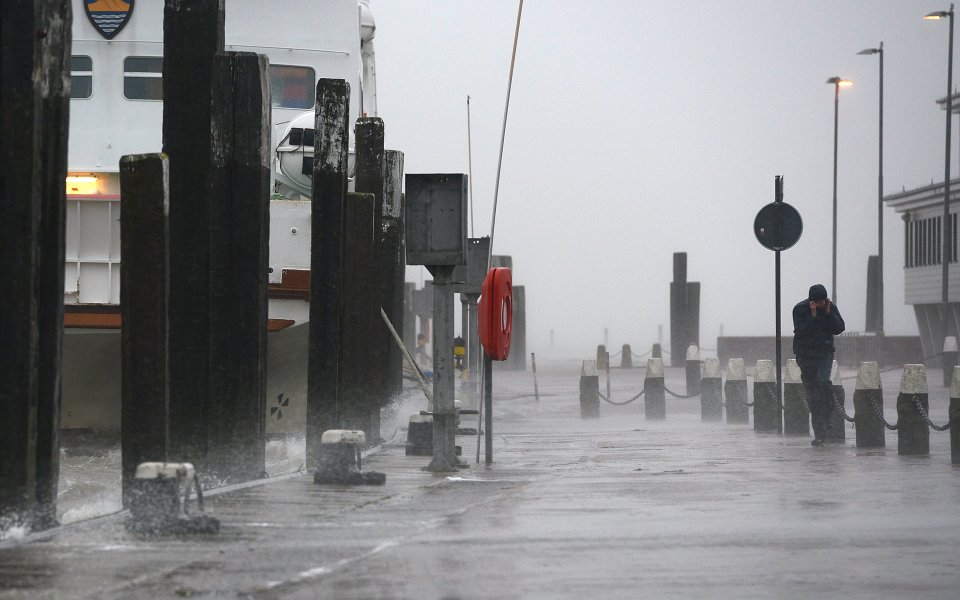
[[642, 128]]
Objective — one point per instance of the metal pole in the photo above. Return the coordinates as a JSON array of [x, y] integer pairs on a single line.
[[470, 164], [536, 388], [836, 111], [488, 408], [945, 227], [778, 193], [880, 223]]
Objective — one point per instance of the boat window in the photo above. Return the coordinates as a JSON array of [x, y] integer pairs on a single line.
[[81, 77], [143, 78], [292, 87]]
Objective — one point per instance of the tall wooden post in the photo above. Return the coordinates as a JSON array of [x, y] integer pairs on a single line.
[[34, 111], [193, 33], [239, 249], [144, 297], [395, 264], [332, 142]]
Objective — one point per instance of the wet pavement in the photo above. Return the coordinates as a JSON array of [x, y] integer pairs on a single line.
[[615, 507]]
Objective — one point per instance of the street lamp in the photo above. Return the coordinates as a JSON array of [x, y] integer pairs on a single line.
[[837, 82], [879, 51], [945, 226]]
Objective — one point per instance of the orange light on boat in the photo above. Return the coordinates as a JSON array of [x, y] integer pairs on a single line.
[[82, 185]]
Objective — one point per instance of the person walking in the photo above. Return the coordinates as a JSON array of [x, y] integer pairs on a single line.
[[815, 321]]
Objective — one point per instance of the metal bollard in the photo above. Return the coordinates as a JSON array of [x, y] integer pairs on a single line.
[[914, 437], [656, 351], [838, 429], [711, 391], [603, 357], [626, 357], [419, 435], [796, 415], [589, 390], [949, 359], [735, 391], [340, 459], [159, 501], [867, 401], [654, 397], [766, 408], [955, 417], [693, 370]]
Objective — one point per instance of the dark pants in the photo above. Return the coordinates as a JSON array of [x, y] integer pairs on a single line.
[[815, 375]]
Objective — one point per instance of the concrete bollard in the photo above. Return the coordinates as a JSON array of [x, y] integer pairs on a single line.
[[735, 391], [914, 437], [867, 401], [626, 357], [603, 357], [711, 391], [837, 431], [949, 359], [654, 397], [340, 459], [766, 408], [955, 417], [656, 351], [692, 366], [589, 390], [796, 415]]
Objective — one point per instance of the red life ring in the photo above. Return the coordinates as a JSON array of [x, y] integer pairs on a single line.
[[495, 313]]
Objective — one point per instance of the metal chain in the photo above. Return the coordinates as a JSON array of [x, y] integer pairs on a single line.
[[923, 414], [879, 412], [839, 406], [681, 396], [635, 355], [605, 399]]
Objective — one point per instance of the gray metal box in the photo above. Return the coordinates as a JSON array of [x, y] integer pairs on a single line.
[[468, 278], [436, 219]]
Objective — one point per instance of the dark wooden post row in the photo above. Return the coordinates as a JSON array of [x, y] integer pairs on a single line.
[[332, 142], [239, 252], [193, 33], [144, 297], [34, 109]]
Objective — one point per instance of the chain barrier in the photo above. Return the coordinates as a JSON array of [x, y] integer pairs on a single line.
[[635, 355], [923, 414], [877, 411], [605, 399], [839, 406], [681, 396]]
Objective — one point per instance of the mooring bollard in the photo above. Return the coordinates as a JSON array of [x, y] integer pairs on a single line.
[[654, 397], [626, 357], [340, 459], [656, 351], [914, 436], [796, 415], [603, 357], [419, 435], [949, 359], [711, 391], [693, 370], [159, 499], [837, 431], [955, 417], [868, 404], [735, 391], [766, 408], [589, 390]]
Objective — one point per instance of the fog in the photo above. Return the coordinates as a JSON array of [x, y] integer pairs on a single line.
[[640, 129]]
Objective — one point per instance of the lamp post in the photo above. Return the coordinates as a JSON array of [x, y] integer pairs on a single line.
[[879, 51], [837, 82], [945, 226]]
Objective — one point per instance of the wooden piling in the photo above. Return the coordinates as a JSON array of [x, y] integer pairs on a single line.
[[954, 415], [867, 401], [711, 391], [589, 390], [735, 392], [393, 249], [34, 118], [838, 425], [144, 303], [193, 33], [332, 143], [654, 395], [518, 337], [767, 416], [796, 416], [239, 250], [913, 434]]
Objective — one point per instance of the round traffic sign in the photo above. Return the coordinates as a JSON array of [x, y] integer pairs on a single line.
[[778, 226]]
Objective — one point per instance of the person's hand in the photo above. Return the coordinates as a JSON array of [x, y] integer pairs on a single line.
[[813, 308], [828, 305]]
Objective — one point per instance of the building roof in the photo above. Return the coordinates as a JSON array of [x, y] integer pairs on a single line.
[[922, 197]]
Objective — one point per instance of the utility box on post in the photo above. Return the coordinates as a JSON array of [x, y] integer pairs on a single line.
[[436, 219], [436, 236]]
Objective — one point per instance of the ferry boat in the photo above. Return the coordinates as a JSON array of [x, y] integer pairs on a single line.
[[116, 108]]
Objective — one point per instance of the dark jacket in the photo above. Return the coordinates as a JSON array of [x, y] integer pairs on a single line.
[[813, 336]]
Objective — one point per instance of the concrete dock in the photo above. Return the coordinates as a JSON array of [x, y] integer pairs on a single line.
[[614, 507]]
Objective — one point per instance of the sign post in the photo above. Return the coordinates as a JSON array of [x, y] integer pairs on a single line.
[[777, 227]]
